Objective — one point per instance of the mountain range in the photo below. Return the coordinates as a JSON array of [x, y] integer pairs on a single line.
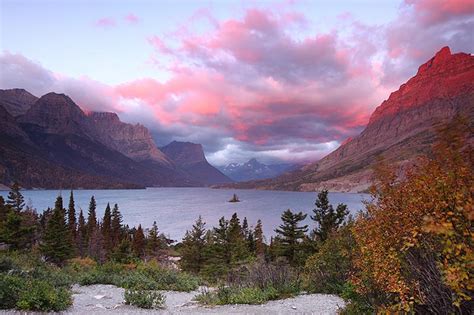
[[50, 142], [254, 170], [400, 129]]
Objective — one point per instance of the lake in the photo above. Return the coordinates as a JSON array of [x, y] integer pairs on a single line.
[[176, 209]]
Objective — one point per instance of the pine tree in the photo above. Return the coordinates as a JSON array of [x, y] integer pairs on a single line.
[[217, 253], [192, 252], [95, 248], [91, 218], [15, 198], [327, 219], [71, 215], [259, 241], [107, 230], [56, 244], [236, 240], [290, 234], [3, 210], [81, 236], [245, 227], [138, 243], [153, 242], [116, 226]]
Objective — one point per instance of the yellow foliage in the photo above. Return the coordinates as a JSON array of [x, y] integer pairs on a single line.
[[430, 208]]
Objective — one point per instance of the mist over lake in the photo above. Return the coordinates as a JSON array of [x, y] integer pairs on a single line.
[[176, 209]]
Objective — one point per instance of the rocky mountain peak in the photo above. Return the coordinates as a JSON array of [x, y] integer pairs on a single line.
[[57, 113], [16, 101], [184, 153], [134, 141], [104, 117]]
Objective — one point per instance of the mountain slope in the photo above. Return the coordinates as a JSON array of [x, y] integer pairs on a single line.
[[55, 145], [190, 157], [134, 141], [402, 127], [254, 170], [16, 101]]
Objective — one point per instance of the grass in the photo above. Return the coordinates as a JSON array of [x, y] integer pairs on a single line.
[[28, 283]]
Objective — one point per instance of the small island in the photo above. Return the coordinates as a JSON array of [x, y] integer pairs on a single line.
[[234, 198]]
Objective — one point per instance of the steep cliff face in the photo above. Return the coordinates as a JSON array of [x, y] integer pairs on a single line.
[[134, 141], [57, 114], [56, 145], [16, 101], [190, 157], [402, 127]]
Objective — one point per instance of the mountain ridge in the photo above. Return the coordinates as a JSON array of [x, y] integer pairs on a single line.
[[400, 129]]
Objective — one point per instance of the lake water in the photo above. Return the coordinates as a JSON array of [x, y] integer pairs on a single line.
[[176, 209]]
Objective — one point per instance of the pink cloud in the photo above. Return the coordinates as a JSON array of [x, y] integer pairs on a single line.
[[251, 82], [132, 18], [437, 11], [105, 22]]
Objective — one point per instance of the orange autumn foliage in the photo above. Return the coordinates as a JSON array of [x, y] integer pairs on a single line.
[[416, 239]]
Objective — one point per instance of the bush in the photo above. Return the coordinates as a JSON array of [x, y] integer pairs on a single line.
[[10, 289], [144, 298], [40, 295], [329, 269]]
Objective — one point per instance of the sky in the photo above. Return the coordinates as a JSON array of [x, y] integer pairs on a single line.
[[282, 81]]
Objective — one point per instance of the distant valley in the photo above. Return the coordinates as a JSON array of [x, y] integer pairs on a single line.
[[253, 170]]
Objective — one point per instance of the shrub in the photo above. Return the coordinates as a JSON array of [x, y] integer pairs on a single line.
[[329, 269], [10, 289], [40, 295], [415, 243], [144, 298]]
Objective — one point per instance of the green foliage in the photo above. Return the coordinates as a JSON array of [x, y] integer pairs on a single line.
[[327, 219], [329, 269], [27, 283], [56, 245], [291, 234], [144, 298], [41, 295], [145, 276], [10, 288], [16, 201]]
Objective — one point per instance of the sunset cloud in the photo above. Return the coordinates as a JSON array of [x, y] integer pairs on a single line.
[[267, 83]]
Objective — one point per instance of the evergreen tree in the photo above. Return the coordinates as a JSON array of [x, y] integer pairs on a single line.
[[192, 251], [245, 227], [91, 218], [107, 230], [81, 236], [259, 242], [138, 243], [3, 210], [327, 219], [15, 198], [123, 252], [236, 241], [95, 248], [116, 226], [290, 234], [153, 242], [17, 228], [71, 215], [217, 252], [56, 244]]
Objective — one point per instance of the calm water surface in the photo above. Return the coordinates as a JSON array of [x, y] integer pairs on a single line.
[[176, 209]]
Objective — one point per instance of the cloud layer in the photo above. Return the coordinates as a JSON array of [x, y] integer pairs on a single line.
[[265, 84]]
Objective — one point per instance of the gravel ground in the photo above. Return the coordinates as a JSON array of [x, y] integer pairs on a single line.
[[107, 299]]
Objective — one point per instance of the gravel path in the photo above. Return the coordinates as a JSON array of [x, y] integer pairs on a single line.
[[108, 299], [99, 299]]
